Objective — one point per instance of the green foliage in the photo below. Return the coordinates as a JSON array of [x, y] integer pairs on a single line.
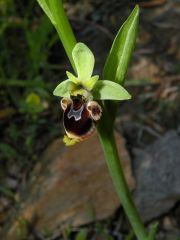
[[25, 41], [7, 151], [33, 41], [13, 132], [82, 235], [121, 51], [5, 5], [32, 104], [38, 44], [6, 191], [153, 231], [66, 232], [120, 54], [22, 230], [130, 236]]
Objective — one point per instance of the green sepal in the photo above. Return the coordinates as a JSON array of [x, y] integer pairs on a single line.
[[108, 90], [84, 61], [63, 89], [121, 51]]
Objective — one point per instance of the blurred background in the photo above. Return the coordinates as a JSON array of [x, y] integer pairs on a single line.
[[44, 192]]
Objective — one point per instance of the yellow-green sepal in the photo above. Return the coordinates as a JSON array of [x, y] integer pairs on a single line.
[[108, 90], [63, 89]]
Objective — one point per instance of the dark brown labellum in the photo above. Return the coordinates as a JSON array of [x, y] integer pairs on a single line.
[[80, 116]]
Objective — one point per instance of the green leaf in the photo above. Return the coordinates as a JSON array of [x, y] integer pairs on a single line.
[[108, 90], [62, 90], [121, 51], [153, 231], [83, 60], [45, 6]]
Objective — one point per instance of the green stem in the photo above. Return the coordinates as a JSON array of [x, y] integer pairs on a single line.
[[63, 28], [111, 154]]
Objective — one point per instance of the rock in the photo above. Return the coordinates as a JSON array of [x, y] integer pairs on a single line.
[[169, 223], [156, 170], [71, 186], [162, 235]]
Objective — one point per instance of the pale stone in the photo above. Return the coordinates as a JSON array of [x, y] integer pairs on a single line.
[[71, 186]]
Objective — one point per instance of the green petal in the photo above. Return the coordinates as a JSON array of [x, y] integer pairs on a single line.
[[89, 84], [72, 78], [62, 90], [108, 90], [83, 60]]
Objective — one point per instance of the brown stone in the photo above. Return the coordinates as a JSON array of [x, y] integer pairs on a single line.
[[71, 186]]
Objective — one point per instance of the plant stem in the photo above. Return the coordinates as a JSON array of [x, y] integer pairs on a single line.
[[114, 165]]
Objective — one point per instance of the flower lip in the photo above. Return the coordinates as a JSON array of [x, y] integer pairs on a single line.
[[77, 120], [80, 116]]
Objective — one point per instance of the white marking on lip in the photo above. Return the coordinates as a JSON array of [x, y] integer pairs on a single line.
[[75, 113]]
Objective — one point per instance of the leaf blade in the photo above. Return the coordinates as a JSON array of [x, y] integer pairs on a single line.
[[122, 48], [44, 5]]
